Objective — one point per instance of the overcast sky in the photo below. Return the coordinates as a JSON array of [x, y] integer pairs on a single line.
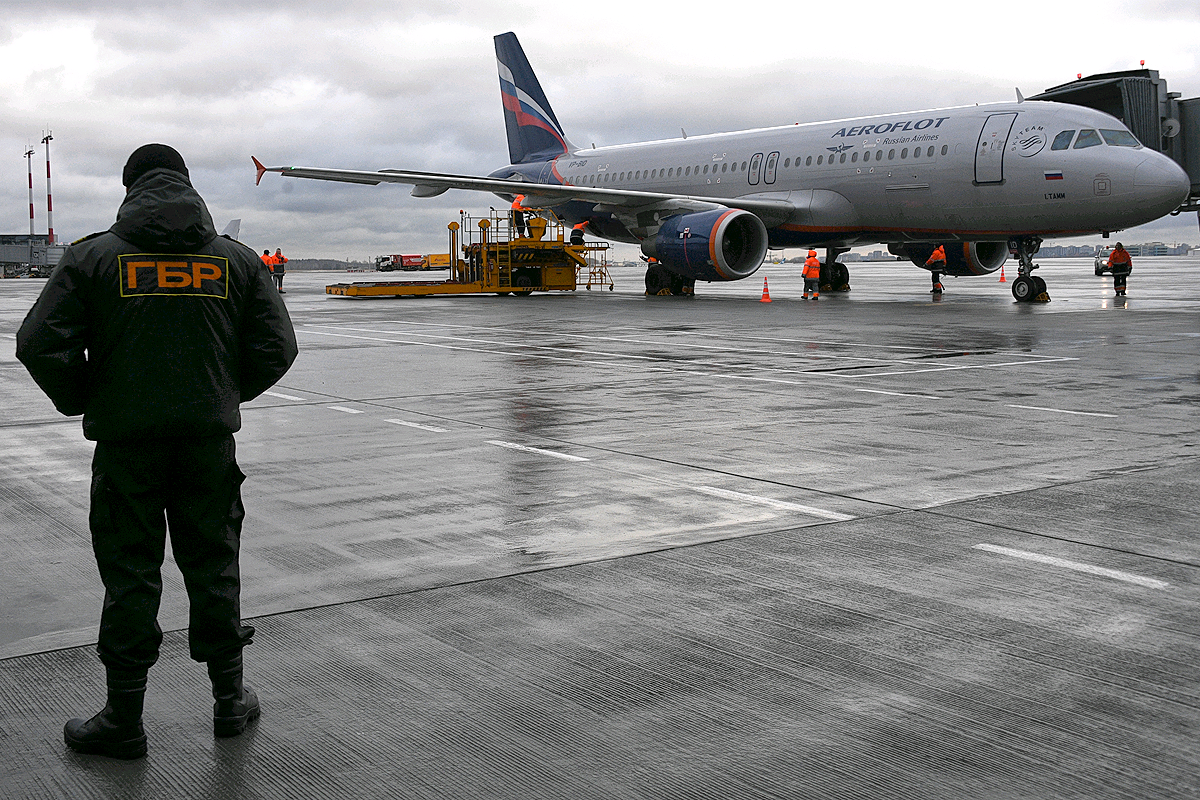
[[369, 84]]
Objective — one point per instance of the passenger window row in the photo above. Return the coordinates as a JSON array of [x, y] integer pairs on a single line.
[[854, 157]]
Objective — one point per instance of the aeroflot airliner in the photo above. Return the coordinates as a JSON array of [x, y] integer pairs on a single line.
[[981, 180]]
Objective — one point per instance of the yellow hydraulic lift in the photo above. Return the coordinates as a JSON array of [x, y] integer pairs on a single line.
[[507, 257]]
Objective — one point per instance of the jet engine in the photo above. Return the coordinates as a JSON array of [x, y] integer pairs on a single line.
[[962, 258], [719, 245]]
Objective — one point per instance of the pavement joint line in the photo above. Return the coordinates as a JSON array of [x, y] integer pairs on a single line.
[[1078, 566], [537, 450], [1063, 411], [782, 505]]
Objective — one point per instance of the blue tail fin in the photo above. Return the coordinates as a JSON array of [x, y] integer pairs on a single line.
[[533, 131]]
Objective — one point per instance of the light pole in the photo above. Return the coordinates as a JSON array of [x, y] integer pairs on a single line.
[[49, 202]]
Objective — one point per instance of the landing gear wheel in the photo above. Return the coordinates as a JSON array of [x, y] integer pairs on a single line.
[[839, 277], [1024, 289], [1039, 285], [659, 280]]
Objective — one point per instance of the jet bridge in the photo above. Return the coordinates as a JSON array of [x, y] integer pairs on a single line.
[[1156, 116]]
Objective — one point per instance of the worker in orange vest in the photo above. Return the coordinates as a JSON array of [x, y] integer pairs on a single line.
[[518, 215], [280, 269], [812, 276], [936, 264], [577, 233], [1121, 265], [267, 259]]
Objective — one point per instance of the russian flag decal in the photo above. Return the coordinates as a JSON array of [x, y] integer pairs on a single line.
[[1053, 175]]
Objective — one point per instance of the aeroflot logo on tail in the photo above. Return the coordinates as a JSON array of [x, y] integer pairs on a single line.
[[195, 276], [891, 127]]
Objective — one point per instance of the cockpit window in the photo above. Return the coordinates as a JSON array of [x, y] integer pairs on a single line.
[[1063, 140], [1120, 138], [1087, 138]]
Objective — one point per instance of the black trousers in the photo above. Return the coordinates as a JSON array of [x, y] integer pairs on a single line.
[[140, 490], [1119, 281]]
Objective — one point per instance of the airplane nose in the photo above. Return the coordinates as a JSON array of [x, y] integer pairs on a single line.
[[1159, 181]]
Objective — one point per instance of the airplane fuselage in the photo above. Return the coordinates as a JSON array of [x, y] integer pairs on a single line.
[[978, 173]]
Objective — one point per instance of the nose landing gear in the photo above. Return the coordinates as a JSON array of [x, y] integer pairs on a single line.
[[1026, 287]]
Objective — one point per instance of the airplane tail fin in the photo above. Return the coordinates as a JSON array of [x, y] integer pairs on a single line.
[[533, 131]]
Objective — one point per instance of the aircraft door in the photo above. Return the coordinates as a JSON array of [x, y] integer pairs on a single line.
[[772, 162], [989, 154], [755, 166]]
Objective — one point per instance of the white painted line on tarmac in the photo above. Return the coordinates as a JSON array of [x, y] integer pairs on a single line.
[[1127, 577], [284, 396], [344, 410], [1065, 411], [900, 394], [783, 505], [538, 450], [407, 424]]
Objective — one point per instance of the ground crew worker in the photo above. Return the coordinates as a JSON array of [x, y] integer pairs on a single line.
[[577, 233], [268, 260], [518, 215], [156, 330], [1121, 265], [812, 276], [280, 269], [936, 264]]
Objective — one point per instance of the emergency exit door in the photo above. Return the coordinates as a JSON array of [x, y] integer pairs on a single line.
[[989, 154]]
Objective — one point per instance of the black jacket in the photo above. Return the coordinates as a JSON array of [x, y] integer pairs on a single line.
[[157, 327]]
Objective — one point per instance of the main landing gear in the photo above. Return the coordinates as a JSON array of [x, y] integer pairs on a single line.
[[662, 282], [1027, 287], [834, 275]]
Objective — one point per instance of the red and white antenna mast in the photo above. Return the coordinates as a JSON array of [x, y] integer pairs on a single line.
[[49, 201], [29, 163]]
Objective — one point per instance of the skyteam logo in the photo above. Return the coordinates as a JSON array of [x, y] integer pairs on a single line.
[[1028, 141]]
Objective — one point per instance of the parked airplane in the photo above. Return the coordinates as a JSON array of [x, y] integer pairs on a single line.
[[981, 180]]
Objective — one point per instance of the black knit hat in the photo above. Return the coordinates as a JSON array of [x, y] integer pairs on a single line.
[[151, 156]]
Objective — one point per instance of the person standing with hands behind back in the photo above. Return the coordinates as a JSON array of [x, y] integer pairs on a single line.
[[156, 330], [1121, 264], [280, 262]]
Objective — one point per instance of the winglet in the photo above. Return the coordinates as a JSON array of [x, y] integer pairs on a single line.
[[1020, 97], [261, 169]]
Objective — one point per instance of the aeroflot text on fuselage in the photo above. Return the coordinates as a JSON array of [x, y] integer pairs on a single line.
[[891, 127]]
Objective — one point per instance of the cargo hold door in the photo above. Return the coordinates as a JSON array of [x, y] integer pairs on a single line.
[[989, 154]]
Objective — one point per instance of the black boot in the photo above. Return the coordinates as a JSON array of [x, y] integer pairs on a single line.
[[237, 704], [117, 730]]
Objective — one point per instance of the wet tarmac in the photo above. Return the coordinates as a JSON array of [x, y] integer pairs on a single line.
[[603, 545]]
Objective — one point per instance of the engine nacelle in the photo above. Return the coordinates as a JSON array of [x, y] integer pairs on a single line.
[[962, 258], [718, 245]]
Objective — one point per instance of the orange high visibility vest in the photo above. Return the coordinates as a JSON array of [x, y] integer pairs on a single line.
[[812, 268]]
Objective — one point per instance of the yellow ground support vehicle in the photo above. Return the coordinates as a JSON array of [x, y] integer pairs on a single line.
[[504, 256]]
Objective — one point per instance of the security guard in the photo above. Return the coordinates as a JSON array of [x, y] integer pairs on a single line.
[[936, 264], [156, 331], [812, 276]]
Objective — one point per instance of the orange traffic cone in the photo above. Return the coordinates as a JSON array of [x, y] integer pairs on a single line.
[[766, 298], [1002, 274]]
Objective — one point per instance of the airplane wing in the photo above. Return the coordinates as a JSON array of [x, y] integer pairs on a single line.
[[628, 205]]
